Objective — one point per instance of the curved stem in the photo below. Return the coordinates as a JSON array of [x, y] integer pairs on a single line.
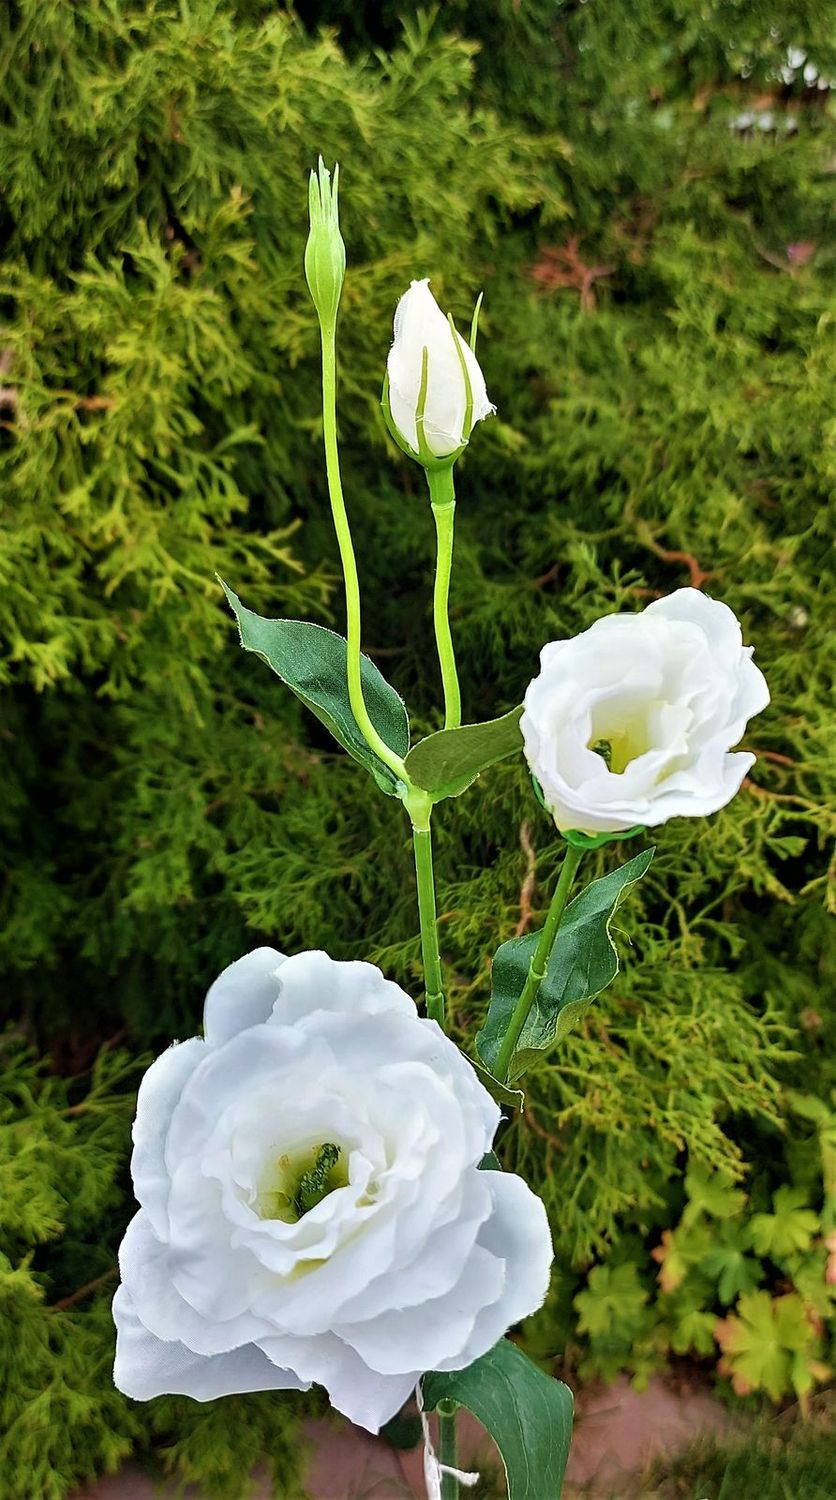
[[447, 1452], [443, 500], [540, 962], [430, 954], [349, 564]]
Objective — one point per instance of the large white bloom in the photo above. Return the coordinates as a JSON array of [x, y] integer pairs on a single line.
[[632, 721], [260, 1260], [420, 324]]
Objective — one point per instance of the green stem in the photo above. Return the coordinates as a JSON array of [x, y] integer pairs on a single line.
[[433, 981], [349, 565], [443, 498], [447, 1448], [540, 961]]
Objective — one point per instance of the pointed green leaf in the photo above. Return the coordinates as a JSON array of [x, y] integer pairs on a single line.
[[311, 660], [446, 763], [583, 962], [527, 1413], [514, 1098]]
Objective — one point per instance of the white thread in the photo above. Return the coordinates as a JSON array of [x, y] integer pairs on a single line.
[[433, 1470]]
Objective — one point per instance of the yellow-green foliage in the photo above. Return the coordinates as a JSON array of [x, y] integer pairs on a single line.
[[657, 334]]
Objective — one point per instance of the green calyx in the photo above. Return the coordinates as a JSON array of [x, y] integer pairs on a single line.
[[325, 250], [574, 836]]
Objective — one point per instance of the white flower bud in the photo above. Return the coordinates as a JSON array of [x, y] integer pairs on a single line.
[[455, 398]]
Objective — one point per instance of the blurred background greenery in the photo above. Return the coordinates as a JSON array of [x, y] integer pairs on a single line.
[[644, 192]]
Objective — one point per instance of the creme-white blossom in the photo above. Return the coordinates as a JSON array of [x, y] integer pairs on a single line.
[[420, 324], [311, 1204], [633, 721]]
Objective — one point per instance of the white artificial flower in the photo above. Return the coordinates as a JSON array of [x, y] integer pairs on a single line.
[[420, 324], [632, 722], [311, 1204]]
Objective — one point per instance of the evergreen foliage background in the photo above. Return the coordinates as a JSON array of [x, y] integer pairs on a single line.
[[645, 194]]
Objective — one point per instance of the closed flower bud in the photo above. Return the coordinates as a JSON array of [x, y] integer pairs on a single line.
[[435, 392], [633, 722], [325, 250]]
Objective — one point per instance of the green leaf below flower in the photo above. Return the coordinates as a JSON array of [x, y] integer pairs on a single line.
[[528, 1415], [583, 962]]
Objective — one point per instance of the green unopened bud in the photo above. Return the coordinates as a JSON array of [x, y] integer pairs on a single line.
[[325, 251]]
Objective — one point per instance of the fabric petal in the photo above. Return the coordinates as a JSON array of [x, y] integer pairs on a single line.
[[146, 1275], [366, 1397], [146, 1366], [157, 1100], [518, 1234], [312, 982], [242, 996]]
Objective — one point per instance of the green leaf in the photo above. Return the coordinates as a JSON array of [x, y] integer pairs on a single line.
[[762, 1342], [710, 1193], [693, 1332], [311, 660], [527, 1413], [514, 1098], [613, 1298], [446, 763], [734, 1271], [789, 1230], [583, 962]]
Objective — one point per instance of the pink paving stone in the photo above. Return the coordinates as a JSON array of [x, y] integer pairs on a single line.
[[618, 1432]]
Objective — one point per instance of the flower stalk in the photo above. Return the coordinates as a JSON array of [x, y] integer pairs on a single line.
[[447, 1449], [540, 962], [443, 500], [430, 954]]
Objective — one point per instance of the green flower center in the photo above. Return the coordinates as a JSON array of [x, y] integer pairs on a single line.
[[620, 742], [297, 1181]]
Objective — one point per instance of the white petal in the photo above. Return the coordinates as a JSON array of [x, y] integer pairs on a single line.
[[421, 325], [433, 1269], [518, 1233], [143, 1262], [159, 1093], [719, 624], [262, 1057], [366, 1397], [146, 1366], [313, 982], [438, 1329], [243, 995]]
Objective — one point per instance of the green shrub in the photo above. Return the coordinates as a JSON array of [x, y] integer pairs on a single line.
[[657, 337]]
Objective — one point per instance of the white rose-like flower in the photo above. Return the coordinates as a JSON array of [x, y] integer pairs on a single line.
[[420, 324], [311, 1204], [632, 722]]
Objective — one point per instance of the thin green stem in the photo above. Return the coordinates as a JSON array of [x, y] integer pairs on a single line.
[[540, 961], [447, 1449], [433, 981], [443, 500], [349, 564]]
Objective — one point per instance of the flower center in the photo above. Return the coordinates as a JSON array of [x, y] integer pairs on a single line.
[[297, 1181], [618, 744]]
